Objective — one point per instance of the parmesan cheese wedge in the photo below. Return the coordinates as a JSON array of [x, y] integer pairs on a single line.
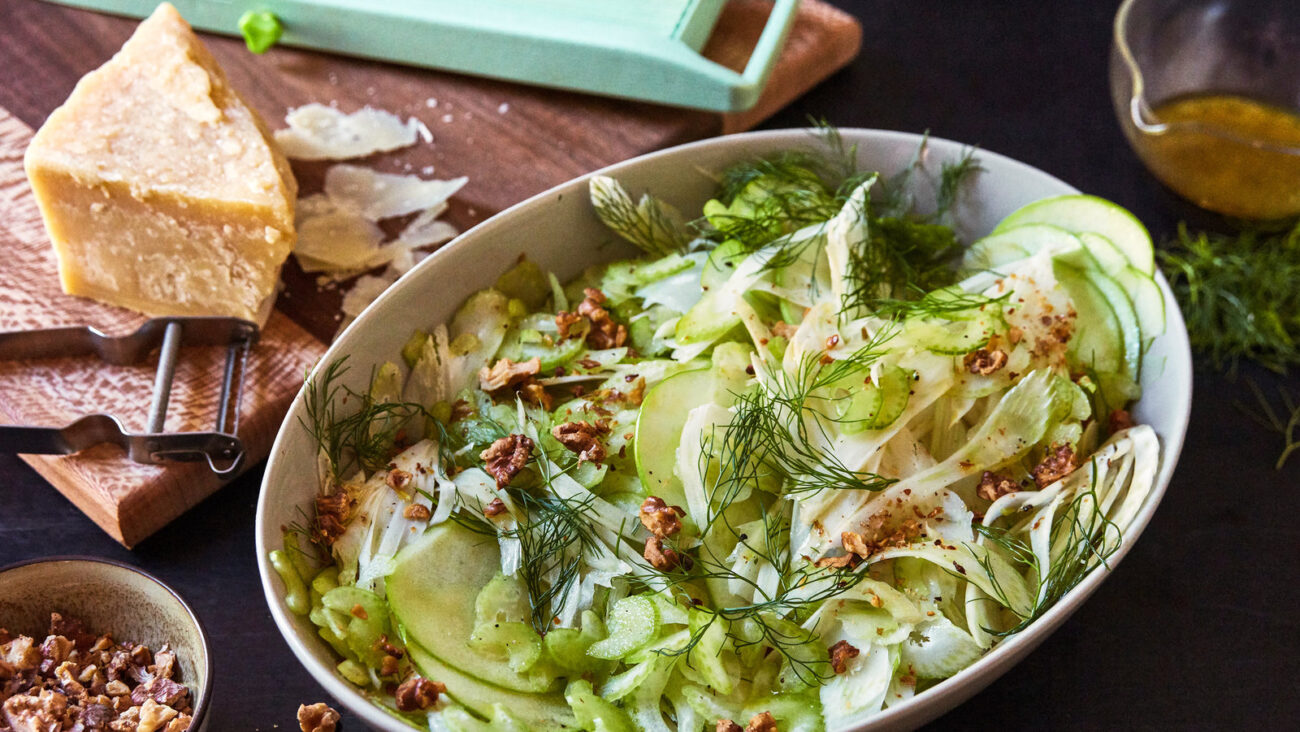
[[160, 187]]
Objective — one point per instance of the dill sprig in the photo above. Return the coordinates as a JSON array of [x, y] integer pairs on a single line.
[[1285, 422], [1089, 543], [364, 438], [553, 538], [1238, 295]]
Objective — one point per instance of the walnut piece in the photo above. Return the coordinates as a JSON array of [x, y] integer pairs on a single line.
[[659, 518], [840, 562], [1059, 462], [604, 333], [762, 722], [417, 512], [535, 394], [726, 725], [495, 507], [398, 480], [41, 712], [154, 716], [506, 457], [841, 653], [506, 373], [661, 558], [565, 321], [995, 485], [418, 693], [318, 717], [583, 438], [1120, 420], [905, 534], [984, 362], [332, 512]]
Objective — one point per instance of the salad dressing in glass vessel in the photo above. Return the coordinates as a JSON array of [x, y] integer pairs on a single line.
[[1208, 94]]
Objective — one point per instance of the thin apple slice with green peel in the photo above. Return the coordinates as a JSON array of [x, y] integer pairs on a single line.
[[1001, 247], [432, 592], [1142, 291], [1082, 213], [659, 430], [539, 711], [1097, 342]]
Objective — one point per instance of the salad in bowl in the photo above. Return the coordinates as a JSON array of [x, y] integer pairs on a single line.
[[788, 460]]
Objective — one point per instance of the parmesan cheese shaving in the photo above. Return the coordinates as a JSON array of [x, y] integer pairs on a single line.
[[426, 229], [384, 195], [318, 132]]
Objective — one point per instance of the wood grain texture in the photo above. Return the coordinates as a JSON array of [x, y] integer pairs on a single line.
[[512, 141], [128, 500]]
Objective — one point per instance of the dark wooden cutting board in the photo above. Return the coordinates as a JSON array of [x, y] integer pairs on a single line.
[[511, 141]]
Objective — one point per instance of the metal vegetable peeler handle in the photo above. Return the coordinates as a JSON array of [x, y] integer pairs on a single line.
[[220, 447]]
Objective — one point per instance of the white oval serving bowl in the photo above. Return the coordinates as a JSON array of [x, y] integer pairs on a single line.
[[558, 231]]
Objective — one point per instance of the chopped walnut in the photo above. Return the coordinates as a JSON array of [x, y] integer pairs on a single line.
[[784, 330], [840, 562], [332, 512], [841, 653], [661, 558], [417, 512], [1059, 462], [495, 507], [905, 534], [583, 438], [659, 518], [506, 457], [761, 723], [417, 693], [505, 373], [318, 717], [154, 716], [1120, 420], [604, 333], [726, 725], [398, 480], [565, 321], [535, 394], [995, 485], [74, 680], [984, 362]]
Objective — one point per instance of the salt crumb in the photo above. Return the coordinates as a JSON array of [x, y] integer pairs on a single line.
[[505, 107], [431, 103], [447, 118], [469, 115], [472, 212], [426, 170], [334, 79], [370, 91]]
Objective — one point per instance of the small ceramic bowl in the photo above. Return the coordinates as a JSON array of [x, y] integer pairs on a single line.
[[110, 597]]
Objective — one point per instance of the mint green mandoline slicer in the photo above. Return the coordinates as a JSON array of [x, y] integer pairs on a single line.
[[638, 49]]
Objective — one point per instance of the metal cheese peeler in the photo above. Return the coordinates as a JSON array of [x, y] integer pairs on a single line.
[[220, 447]]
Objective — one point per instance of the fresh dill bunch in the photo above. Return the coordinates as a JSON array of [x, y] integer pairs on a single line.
[[1284, 420], [1238, 294]]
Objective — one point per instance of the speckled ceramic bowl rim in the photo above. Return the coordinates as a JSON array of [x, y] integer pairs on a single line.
[[200, 709], [922, 708]]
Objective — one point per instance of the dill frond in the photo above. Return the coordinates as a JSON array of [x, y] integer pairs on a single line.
[[1284, 421], [364, 438], [650, 224], [552, 539], [952, 176], [1238, 295]]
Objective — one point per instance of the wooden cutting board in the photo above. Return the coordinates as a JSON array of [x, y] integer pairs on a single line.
[[512, 141]]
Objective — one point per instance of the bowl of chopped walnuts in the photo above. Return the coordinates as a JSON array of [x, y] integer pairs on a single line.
[[87, 643]]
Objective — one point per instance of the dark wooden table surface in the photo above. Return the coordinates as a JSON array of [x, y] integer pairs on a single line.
[[1197, 629]]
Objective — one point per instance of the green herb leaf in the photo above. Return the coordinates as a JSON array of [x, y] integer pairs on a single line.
[[261, 30]]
